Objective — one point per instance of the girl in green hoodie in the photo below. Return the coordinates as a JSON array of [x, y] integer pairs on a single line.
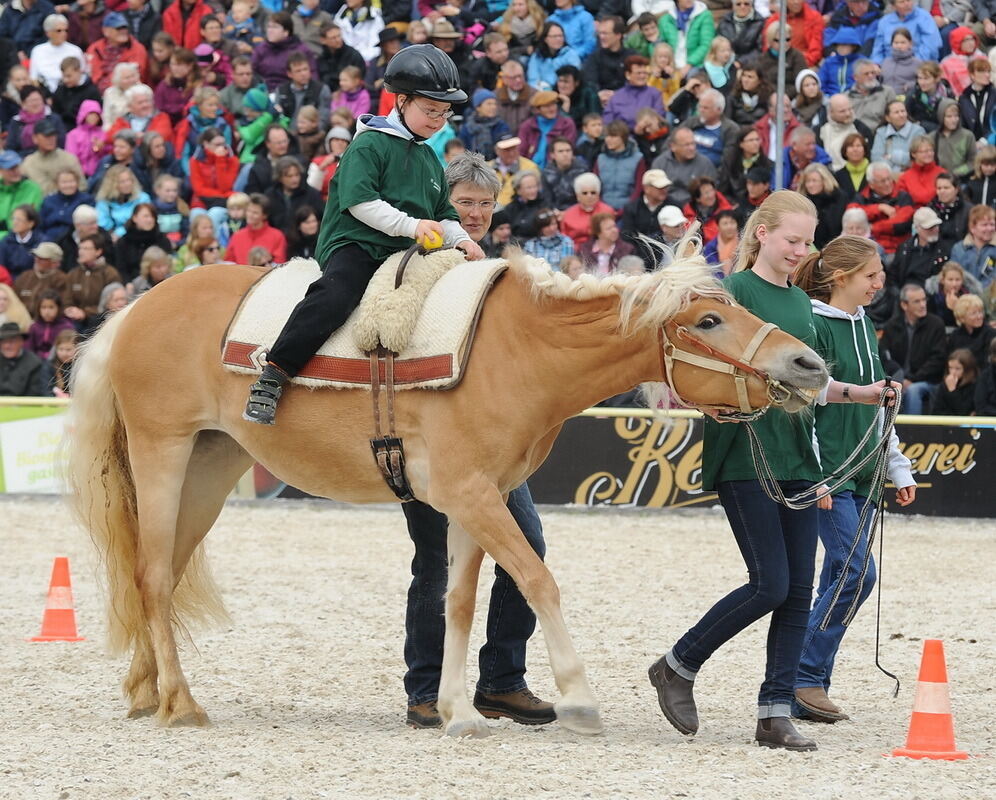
[[840, 280]]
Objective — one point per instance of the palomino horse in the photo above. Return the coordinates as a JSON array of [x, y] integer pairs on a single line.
[[157, 442]]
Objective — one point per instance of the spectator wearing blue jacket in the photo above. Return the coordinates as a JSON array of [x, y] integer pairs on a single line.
[[57, 208], [800, 152], [552, 52], [578, 25], [22, 22], [837, 71], [926, 38], [862, 16]]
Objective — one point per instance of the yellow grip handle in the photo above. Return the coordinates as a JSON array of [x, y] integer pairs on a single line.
[[431, 241]]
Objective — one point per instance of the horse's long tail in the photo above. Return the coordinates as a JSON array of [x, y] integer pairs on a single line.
[[101, 487], [102, 497]]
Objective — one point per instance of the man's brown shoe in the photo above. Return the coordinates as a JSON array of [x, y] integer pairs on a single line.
[[522, 706], [817, 706], [780, 733], [424, 715]]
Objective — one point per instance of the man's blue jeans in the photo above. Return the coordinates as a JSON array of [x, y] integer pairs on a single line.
[[838, 527], [510, 620], [917, 397], [778, 546]]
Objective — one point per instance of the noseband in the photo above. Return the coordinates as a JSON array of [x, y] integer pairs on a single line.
[[716, 361]]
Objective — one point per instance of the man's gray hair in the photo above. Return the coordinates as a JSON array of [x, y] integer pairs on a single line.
[[589, 180], [53, 20], [904, 293], [84, 213], [863, 62], [879, 166], [855, 215], [137, 90], [471, 168], [800, 133], [716, 96]]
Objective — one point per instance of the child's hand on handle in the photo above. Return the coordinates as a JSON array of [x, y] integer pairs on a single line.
[[825, 501], [428, 232], [870, 393], [472, 250]]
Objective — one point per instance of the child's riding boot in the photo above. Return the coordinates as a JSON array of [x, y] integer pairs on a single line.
[[263, 396]]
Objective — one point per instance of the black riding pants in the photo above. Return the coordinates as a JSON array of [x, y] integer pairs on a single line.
[[326, 306]]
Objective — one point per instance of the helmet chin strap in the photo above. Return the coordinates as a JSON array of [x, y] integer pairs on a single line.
[[401, 115]]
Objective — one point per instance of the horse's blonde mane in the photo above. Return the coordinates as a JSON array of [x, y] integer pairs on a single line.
[[647, 300]]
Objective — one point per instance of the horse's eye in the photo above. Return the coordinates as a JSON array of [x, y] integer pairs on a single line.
[[708, 322]]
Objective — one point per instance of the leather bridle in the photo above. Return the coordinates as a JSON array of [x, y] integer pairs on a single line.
[[740, 369]]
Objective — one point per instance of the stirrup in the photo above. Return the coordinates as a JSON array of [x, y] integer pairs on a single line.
[[262, 405]]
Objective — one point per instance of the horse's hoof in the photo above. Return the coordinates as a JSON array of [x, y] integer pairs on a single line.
[[581, 719], [192, 719], [137, 712], [468, 729]]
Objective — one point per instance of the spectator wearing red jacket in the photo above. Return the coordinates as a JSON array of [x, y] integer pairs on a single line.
[[257, 233], [213, 170], [117, 46], [705, 205], [889, 211], [919, 180], [807, 25], [182, 21]]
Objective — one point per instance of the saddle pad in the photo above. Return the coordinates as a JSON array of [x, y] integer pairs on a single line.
[[437, 349]]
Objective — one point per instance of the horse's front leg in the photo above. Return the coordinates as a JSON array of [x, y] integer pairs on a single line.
[[491, 524], [460, 718]]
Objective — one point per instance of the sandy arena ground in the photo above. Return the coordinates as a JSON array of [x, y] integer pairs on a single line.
[[305, 691]]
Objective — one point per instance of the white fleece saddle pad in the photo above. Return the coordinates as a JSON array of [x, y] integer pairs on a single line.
[[429, 321]]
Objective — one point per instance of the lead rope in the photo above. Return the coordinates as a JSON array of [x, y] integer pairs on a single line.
[[878, 600]]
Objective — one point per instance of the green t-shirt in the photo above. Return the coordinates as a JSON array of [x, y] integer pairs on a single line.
[[787, 439], [382, 166], [840, 426]]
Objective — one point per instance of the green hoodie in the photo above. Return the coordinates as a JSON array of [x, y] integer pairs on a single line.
[[13, 195], [848, 344]]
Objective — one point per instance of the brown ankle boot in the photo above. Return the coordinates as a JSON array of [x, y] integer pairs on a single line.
[[817, 706], [780, 733]]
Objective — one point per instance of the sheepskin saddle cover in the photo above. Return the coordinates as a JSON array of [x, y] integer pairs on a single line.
[[429, 321]]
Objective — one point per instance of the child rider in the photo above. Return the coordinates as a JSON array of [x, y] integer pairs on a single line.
[[388, 190]]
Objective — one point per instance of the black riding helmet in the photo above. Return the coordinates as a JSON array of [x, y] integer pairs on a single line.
[[426, 71]]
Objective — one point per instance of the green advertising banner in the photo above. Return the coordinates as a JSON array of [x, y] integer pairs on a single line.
[[29, 448]]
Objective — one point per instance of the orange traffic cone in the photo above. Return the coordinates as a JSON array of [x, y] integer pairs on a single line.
[[59, 622], [931, 726]]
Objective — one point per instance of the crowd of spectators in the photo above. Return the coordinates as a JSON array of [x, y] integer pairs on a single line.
[[146, 137]]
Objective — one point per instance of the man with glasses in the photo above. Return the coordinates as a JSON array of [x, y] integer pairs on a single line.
[[46, 59], [514, 95], [501, 687]]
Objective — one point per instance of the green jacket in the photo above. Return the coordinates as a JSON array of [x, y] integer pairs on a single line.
[[253, 133], [787, 439], [638, 43], [383, 162], [848, 343], [17, 194], [698, 34]]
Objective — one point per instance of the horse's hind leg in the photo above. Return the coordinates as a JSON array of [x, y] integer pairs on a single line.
[[159, 466], [215, 466], [464, 559], [492, 525]]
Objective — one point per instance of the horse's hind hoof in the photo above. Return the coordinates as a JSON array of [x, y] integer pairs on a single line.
[[581, 719], [192, 719], [138, 712], [468, 729]]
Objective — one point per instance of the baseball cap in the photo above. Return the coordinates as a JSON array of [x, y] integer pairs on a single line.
[[115, 19], [758, 175], [508, 141], [46, 127], [542, 98], [657, 178], [926, 218], [49, 250], [9, 159], [671, 216]]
